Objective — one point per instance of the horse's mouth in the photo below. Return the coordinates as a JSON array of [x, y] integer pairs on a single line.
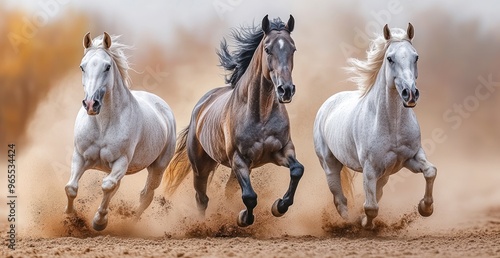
[[410, 104], [285, 101], [92, 112]]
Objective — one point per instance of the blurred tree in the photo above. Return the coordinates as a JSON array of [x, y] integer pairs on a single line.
[[31, 61]]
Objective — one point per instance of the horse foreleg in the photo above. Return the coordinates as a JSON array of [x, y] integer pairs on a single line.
[[420, 164], [242, 172], [280, 206], [371, 205], [110, 185], [71, 188]]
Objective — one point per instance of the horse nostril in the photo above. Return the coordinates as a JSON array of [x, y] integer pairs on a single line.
[[96, 104], [84, 104], [281, 90], [405, 94], [293, 89], [417, 94]]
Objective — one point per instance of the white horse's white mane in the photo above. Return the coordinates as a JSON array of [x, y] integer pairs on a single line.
[[365, 72], [116, 52]]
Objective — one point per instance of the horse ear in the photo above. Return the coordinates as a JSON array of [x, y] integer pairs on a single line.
[[387, 32], [87, 40], [265, 24], [410, 31], [106, 40], [290, 24]]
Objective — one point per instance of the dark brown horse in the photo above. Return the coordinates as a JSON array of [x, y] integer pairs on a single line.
[[244, 125]]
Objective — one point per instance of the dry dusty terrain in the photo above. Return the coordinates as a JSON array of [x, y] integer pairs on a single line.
[[482, 240]]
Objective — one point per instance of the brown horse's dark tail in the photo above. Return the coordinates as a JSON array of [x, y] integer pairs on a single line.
[[179, 167]]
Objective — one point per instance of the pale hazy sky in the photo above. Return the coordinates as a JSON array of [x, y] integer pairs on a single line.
[[152, 17]]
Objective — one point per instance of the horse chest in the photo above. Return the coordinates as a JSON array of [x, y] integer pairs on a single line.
[[259, 142]]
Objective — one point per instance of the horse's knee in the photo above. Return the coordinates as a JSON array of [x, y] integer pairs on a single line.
[[108, 185], [71, 191], [431, 172]]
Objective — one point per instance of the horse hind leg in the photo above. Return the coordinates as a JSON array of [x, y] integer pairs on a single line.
[[202, 165], [333, 168], [147, 194], [155, 173], [419, 164]]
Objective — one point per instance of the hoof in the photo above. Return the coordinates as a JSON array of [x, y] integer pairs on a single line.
[[274, 209], [342, 210], [424, 210], [365, 224], [99, 226], [243, 220]]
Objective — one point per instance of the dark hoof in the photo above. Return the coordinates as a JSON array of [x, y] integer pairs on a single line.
[[99, 227], [274, 209], [244, 220], [424, 210]]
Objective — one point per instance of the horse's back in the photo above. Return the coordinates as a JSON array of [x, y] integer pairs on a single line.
[[208, 121], [158, 123]]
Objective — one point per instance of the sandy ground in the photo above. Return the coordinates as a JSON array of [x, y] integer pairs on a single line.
[[477, 241]]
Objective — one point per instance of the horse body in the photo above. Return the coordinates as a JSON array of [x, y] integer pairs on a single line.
[[244, 125], [375, 131], [118, 131], [102, 139]]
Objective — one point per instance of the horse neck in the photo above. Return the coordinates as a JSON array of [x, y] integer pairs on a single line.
[[256, 90], [387, 103], [116, 101]]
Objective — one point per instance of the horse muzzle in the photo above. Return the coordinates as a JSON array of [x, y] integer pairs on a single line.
[[410, 97], [92, 106], [285, 93]]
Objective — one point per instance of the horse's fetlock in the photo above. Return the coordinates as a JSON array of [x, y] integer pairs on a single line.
[[250, 200]]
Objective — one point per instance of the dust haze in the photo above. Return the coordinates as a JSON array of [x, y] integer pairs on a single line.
[[455, 57]]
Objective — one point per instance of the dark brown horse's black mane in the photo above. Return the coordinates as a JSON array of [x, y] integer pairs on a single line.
[[247, 40]]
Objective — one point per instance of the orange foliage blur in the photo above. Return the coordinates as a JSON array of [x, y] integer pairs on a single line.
[[31, 63]]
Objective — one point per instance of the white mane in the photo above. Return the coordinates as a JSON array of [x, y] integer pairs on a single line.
[[117, 54], [365, 72]]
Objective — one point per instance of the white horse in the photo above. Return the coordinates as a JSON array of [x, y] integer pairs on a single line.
[[117, 130], [374, 130]]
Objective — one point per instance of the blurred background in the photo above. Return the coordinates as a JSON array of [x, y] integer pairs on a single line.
[[174, 57]]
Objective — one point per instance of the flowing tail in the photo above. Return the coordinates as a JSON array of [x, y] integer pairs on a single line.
[[179, 167], [346, 178]]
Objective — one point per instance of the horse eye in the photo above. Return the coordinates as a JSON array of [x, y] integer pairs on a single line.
[[416, 59], [390, 59], [81, 68], [267, 50], [107, 68]]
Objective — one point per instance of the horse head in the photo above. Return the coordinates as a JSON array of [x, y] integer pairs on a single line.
[[401, 62], [277, 58], [97, 72]]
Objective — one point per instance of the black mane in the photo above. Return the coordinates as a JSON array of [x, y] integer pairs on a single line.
[[247, 40]]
